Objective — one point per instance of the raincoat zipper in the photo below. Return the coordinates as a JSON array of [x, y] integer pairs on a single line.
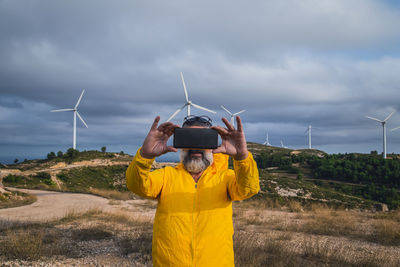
[[193, 224]]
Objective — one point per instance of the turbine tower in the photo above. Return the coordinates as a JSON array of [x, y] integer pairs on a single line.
[[76, 113], [384, 130], [232, 114], [309, 129], [188, 103], [266, 143]]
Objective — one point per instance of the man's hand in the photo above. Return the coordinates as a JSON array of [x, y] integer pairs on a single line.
[[233, 140], [155, 143]]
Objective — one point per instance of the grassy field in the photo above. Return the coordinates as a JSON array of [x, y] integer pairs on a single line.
[[264, 236]]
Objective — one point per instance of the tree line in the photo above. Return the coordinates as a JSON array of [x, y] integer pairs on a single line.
[[379, 179]]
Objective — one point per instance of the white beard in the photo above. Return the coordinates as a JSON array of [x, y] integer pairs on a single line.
[[195, 165]]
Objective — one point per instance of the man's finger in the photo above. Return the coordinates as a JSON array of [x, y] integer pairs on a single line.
[[155, 123], [218, 150], [228, 124], [220, 130], [170, 129], [172, 149], [239, 124], [164, 126]]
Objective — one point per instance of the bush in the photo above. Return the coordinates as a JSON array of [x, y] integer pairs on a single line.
[[43, 175], [72, 153], [51, 155], [12, 178], [62, 177]]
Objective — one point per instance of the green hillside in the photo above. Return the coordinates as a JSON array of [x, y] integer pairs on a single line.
[[346, 179], [307, 176]]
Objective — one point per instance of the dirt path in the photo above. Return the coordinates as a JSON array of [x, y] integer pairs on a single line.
[[53, 205]]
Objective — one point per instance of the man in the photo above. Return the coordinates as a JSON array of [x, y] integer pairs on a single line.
[[193, 222]]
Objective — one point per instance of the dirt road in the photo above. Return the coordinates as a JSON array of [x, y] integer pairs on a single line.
[[52, 205]]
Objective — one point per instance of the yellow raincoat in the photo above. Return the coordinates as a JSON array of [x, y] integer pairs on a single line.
[[193, 222]]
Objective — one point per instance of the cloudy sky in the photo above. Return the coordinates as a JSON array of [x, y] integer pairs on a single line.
[[288, 63]]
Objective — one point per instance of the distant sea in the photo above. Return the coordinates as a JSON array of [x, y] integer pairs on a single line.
[[170, 157]]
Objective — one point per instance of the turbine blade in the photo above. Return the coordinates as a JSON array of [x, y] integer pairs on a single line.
[[206, 109], [306, 131], [79, 100], [226, 110], [60, 110], [375, 119], [184, 88], [389, 116], [395, 128], [79, 116], [237, 113], [176, 112]]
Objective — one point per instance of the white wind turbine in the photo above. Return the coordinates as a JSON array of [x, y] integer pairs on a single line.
[[75, 110], [309, 129], [188, 103], [384, 130], [266, 143], [232, 114]]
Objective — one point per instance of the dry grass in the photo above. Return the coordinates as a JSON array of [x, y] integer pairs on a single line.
[[92, 233], [320, 236], [112, 194], [386, 232], [263, 237], [15, 199]]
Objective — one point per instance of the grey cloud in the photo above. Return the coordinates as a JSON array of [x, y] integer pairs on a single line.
[[287, 63]]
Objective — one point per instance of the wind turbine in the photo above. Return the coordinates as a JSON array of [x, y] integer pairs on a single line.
[[76, 113], [188, 103], [266, 143], [384, 130], [232, 114], [283, 145], [309, 129]]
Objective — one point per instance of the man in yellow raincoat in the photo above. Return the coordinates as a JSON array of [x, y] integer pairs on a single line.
[[193, 222]]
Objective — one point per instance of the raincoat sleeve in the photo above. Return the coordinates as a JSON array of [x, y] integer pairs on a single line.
[[140, 180], [244, 182]]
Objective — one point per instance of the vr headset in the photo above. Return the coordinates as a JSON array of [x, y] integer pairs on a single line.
[[200, 138]]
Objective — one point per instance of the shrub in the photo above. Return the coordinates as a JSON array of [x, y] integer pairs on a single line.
[[72, 153], [12, 178], [51, 155], [43, 175]]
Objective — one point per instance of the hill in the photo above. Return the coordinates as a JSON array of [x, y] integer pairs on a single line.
[[286, 176], [355, 179]]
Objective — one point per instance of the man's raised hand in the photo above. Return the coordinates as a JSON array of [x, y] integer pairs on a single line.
[[155, 143], [233, 140]]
